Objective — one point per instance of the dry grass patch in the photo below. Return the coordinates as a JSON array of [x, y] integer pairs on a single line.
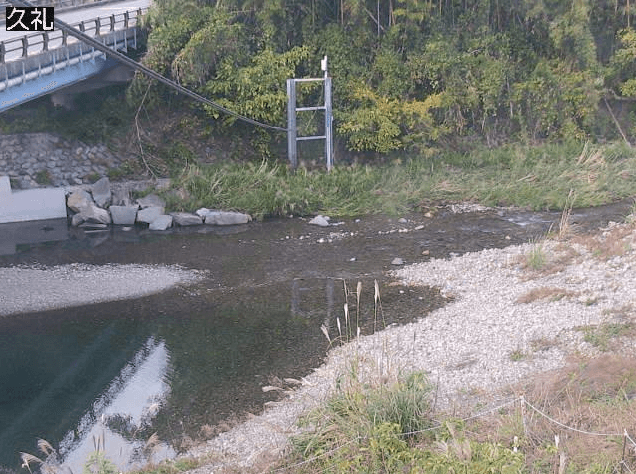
[[597, 395], [545, 292], [518, 355], [447, 186], [565, 224], [608, 336], [539, 261], [543, 344], [620, 313], [608, 244]]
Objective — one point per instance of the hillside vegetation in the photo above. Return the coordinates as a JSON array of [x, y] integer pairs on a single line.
[[411, 75]]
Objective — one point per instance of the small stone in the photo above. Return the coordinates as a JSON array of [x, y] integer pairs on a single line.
[[397, 261], [152, 200], [319, 220], [121, 196], [428, 214], [402, 220], [212, 217], [149, 214], [186, 219], [419, 227], [79, 200], [352, 259], [77, 219], [426, 252], [91, 214], [161, 223], [123, 215], [101, 192]]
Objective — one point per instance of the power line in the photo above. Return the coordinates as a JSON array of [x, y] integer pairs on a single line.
[[147, 71]]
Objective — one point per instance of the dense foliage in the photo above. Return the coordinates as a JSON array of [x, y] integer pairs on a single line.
[[410, 74]]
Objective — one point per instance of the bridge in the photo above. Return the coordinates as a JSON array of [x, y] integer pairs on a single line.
[[54, 62]]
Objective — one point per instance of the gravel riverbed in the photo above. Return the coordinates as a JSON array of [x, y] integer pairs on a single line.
[[503, 323], [25, 289]]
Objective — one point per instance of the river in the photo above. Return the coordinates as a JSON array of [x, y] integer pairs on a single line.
[[188, 361]]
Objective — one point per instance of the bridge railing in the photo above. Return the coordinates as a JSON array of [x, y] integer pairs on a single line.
[[56, 3], [20, 48], [60, 5]]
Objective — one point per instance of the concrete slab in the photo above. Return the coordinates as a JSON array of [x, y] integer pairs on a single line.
[[5, 186], [30, 204]]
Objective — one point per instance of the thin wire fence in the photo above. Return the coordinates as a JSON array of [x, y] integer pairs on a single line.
[[620, 467]]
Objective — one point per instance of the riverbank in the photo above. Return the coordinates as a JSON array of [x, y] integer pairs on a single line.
[[515, 313], [533, 177], [548, 176]]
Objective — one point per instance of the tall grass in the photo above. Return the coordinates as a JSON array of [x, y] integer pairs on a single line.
[[534, 177], [389, 428], [350, 327], [363, 426]]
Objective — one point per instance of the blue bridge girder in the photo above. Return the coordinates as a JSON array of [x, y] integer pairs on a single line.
[[38, 64]]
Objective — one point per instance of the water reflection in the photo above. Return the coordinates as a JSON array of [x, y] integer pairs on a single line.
[[130, 402], [53, 366], [13, 235], [301, 286]]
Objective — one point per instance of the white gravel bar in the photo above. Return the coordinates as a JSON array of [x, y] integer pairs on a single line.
[[483, 340], [26, 289]]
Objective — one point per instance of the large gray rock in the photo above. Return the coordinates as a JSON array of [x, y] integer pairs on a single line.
[[213, 217], [92, 214], [77, 219], [161, 223], [185, 219], [322, 221], [149, 214], [152, 200], [121, 196], [123, 215], [79, 200], [101, 192]]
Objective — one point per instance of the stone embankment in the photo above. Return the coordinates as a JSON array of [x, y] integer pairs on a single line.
[[97, 207], [33, 160]]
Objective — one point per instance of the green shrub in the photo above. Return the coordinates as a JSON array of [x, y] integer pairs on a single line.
[[388, 428], [97, 463]]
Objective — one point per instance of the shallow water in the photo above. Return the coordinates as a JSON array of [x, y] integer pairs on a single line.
[[181, 362]]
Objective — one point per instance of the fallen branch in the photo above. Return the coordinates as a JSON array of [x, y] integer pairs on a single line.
[[141, 148], [618, 125]]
